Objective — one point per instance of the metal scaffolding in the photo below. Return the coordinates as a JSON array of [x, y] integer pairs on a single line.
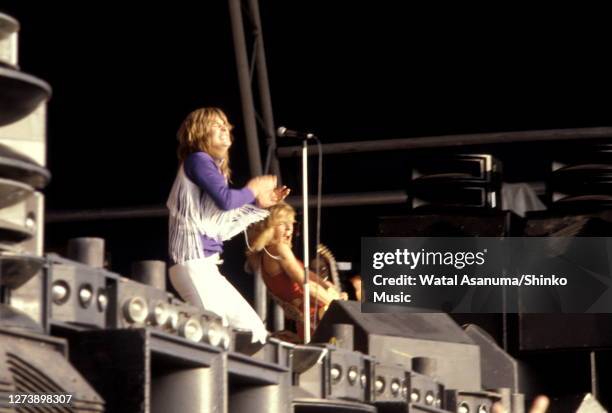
[[250, 115]]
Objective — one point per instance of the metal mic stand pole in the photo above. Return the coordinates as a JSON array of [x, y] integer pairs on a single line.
[[305, 232]]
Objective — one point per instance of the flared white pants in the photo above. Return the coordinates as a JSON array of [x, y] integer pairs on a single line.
[[200, 283]]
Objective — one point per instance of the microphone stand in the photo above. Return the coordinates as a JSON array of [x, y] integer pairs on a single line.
[[282, 131], [306, 287]]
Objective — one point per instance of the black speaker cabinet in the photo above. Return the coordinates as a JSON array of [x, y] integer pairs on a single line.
[[397, 338], [37, 364], [136, 305], [144, 370], [455, 180], [466, 402], [133, 305], [581, 178], [460, 224], [328, 372], [77, 294], [424, 392], [390, 383]]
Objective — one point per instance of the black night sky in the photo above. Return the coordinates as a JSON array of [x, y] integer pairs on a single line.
[[124, 76]]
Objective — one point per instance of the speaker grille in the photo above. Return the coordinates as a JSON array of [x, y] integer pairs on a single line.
[[28, 379]]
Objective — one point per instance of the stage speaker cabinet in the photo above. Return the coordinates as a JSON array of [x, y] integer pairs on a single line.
[[390, 384], [22, 223], [257, 384], [37, 364], [22, 148], [399, 338], [351, 383], [444, 224], [581, 178], [327, 372], [149, 371], [20, 93], [445, 196], [21, 241], [136, 305], [423, 392], [565, 331], [28, 136], [22, 174], [9, 28], [23, 151], [456, 180], [21, 247], [499, 369], [481, 169], [195, 324], [468, 402], [77, 293]]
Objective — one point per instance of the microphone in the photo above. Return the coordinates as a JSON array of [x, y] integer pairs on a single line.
[[283, 132]]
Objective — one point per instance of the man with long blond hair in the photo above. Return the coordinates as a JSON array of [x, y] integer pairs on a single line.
[[205, 212]]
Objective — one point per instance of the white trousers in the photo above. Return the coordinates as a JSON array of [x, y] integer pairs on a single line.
[[200, 283]]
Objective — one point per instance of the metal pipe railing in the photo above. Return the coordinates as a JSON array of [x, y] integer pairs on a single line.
[[452, 140], [332, 200]]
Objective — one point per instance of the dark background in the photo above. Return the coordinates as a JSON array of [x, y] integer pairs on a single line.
[[124, 76]]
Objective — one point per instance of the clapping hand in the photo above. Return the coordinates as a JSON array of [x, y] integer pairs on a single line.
[[281, 193], [262, 184], [267, 199]]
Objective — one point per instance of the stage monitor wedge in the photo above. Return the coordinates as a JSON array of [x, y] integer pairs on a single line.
[[396, 338]]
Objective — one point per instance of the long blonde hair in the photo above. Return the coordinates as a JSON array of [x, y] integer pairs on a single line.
[[261, 233], [195, 132]]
